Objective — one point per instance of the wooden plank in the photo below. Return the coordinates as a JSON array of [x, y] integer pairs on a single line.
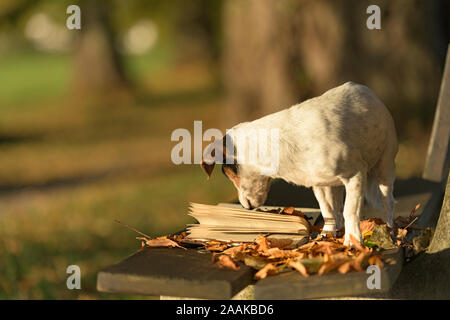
[[173, 272], [437, 155], [333, 284]]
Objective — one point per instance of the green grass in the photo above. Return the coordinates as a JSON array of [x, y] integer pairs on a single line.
[[30, 77]]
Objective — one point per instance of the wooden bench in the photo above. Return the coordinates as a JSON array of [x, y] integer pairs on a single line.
[[173, 272]]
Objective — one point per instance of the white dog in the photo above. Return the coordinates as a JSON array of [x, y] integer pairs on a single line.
[[344, 138]]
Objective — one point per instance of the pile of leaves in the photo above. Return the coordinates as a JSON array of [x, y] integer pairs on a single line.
[[320, 255]]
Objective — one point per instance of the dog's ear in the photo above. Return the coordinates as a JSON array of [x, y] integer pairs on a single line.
[[209, 157], [217, 152]]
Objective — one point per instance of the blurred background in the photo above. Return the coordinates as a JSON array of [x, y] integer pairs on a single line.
[[86, 115]]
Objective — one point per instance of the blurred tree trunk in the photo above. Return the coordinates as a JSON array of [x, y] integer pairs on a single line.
[[280, 52], [97, 68], [257, 74]]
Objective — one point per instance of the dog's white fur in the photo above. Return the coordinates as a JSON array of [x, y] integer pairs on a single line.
[[343, 139]]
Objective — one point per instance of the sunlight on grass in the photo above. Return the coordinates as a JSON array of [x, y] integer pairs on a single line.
[[27, 77]]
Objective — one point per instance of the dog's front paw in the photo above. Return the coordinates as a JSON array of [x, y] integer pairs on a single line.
[[325, 233], [352, 237]]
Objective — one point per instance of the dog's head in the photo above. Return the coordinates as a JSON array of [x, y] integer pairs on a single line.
[[252, 187]]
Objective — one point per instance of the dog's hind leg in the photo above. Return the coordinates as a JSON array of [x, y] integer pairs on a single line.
[[354, 199], [330, 200], [386, 178]]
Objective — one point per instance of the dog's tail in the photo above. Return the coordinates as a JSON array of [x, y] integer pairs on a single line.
[[373, 193]]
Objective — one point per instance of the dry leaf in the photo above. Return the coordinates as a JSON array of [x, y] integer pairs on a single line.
[[381, 237], [413, 211], [233, 251], [269, 269], [358, 262], [376, 260], [345, 267], [163, 242], [218, 247], [277, 253], [263, 245], [289, 210], [401, 233], [297, 265], [226, 262], [357, 245], [279, 243], [313, 265], [331, 265], [366, 225], [255, 262]]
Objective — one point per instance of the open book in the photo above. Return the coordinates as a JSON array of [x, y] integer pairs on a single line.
[[231, 222]]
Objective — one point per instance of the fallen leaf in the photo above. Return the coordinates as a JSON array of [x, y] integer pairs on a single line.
[[226, 262], [163, 242], [345, 267], [331, 265], [358, 262], [381, 237], [376, 260], [288, 210], [263, 245], [279, 243], [366, 225], [255, 262], [300, 267], [357, 245], [401, 233], [216, 247], [269, 269], [414, 210], [233, 251], [312, 264], [423, 240], [277, 253]]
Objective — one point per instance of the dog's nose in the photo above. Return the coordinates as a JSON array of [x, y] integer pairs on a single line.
[[251, 207]]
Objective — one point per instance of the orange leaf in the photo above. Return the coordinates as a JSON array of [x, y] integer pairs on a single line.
[[279, 243], [357, 263], [345, 267], [300, 267], [225, 261], [367, 225], [263, 245], [413, 211], [216, 247], [357, 245], [163, 242], [375, 260], [268, 269], [288, 210]]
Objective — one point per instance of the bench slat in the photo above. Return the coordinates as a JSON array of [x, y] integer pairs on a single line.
[[173, 272]]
